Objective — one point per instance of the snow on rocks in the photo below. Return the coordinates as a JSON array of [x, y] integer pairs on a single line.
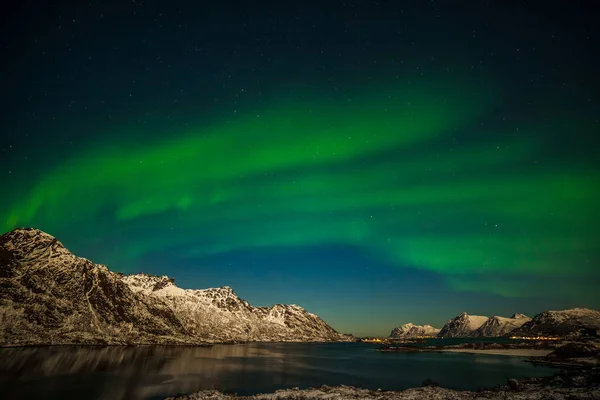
[[573, 322], [50, 296], [462, 326], [410, 331], [517, 390], [500, 326]]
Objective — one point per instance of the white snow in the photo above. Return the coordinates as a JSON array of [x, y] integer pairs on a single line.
[[150, 301], [412, 330], [475, 321], [220, 313], [498, 326]]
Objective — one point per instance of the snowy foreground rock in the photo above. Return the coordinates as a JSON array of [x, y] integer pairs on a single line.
[[519, 391], [580, 381], [50, 296]]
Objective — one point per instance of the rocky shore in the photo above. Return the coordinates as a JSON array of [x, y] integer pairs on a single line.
[[530, 349], [572, 355], [579, 379], [581, 384], [551, 353], [537, 345]]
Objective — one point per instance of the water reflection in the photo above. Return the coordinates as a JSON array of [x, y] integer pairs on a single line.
[[137, 372], [157, 372]]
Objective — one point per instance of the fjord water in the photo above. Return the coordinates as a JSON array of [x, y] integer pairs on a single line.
[[149, 372]]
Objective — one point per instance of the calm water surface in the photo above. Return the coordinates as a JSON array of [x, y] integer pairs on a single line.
[[157, 372]]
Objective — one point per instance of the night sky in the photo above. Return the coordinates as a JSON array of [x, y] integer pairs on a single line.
[[374, 162]]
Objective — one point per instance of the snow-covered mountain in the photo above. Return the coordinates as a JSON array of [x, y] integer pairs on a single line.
[[219, 314], [410, 330], [50, 296], [500, 326], [462, 326], [576, 321]]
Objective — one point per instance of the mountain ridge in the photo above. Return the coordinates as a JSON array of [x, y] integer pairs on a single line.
[[462, 326], [569, 322], [574, 321], [500, 326], [50, 296], [411, 330]]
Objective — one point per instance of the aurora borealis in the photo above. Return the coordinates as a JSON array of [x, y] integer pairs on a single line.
[[346, 160]]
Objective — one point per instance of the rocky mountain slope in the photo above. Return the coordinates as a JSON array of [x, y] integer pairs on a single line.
[[576, 321], [50, 296], [219, 314], [462, 326], [500, 326], [410, 330]]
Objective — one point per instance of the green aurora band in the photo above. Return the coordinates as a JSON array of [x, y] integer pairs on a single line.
[[379, 173]]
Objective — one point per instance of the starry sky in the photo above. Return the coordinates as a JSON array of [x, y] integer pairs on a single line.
[[377, 162]]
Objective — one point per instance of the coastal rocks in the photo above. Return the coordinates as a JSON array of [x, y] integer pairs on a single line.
[[338, 392], [532, 348], [574, 350], [513, 384], [579, 385], [50, 296], [572, 355], [412, 331], [404, 349]]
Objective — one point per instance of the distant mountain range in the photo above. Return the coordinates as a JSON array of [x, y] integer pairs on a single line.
[[573, 322], [500, 326], [410, 331], [581, 321], [466, 325], [50, 296]]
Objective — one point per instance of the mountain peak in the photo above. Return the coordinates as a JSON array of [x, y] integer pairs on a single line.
[[575, 321], [462, 326], [500, 326], [34, 246], [412, 330], [22, 236], [64, 299], [29, 231]]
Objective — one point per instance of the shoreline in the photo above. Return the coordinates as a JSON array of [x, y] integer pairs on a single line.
[[583, 383], [205, 344], [532, 349], [559, 355], [503, 352], [91, 345], [578, 378]]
